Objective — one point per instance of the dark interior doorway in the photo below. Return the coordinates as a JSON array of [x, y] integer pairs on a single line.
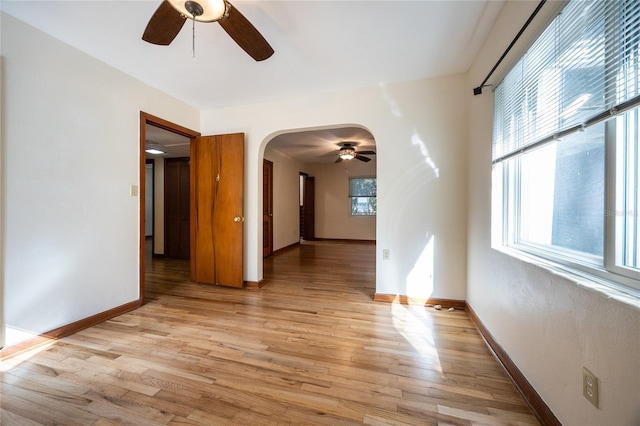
[[176, 208], [267, 208], [307, 207]]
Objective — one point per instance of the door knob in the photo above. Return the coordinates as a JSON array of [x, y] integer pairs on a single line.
[[238, 219]]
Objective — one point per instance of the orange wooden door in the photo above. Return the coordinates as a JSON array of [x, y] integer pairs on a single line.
[[267, 208], [217, 209]]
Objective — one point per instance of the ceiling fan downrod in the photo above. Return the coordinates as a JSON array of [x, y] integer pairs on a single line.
[[194, 9]]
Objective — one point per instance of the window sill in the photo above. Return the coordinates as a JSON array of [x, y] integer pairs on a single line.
[[610, 290]]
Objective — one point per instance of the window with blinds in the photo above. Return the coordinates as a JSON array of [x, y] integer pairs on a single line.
[[565, 145], [581, 71]]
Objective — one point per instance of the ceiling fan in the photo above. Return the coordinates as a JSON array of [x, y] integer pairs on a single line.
[[169, 18], [348, 151]]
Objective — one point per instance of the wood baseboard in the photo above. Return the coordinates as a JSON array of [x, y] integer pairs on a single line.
[[254, 284], [344, 240], [531, 397], [67, 330], [406, 300]]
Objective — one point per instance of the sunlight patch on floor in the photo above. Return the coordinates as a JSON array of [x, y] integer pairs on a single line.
[[413, 323], [14, 337]]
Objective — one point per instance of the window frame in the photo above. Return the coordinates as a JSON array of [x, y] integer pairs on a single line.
[[351, 197], [612, 241], [608, 271]]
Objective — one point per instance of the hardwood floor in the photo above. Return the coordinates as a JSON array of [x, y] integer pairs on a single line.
[[310, 347]]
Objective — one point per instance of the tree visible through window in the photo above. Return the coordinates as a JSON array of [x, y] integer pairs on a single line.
[[362, 192]]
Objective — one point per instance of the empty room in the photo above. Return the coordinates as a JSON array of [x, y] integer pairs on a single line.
[[319, 212]]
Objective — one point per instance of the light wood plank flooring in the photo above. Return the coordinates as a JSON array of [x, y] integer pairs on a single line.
[[310, 347]]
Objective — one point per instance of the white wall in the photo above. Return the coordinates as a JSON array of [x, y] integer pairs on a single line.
[[2, 138], [286, 198], [420, 134], [550, 326], [71, 151], [333, 217]]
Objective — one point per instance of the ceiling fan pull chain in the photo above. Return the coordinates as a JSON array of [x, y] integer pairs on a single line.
[[193, 39]]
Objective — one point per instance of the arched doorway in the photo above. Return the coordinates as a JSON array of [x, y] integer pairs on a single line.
[[296, 156]]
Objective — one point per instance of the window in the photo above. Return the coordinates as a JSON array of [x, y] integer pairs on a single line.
[[565, 148], [362, 192]]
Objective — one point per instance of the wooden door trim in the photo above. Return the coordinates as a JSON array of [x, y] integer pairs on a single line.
[[145, 119]]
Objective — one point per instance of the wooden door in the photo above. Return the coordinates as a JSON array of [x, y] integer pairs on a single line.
[[267, 208], [308, 207], [176, 208], [217, 209]]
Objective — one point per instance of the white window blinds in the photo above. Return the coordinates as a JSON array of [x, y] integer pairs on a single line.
[[582, 70]]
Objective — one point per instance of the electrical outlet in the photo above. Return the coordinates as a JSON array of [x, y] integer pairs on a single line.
[[133, 190], [590, 386], [385, 254]]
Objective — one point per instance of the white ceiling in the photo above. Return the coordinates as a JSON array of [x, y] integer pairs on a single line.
[[320, 45], [172, 144], [322, 146]]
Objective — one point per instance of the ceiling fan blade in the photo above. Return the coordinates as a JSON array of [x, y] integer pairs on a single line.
[[361, 158], [246, 35], [367, 152], [338, 160], [164, 25]]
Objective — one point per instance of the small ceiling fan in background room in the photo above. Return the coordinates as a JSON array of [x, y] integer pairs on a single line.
[[348, 151], [169, 18]]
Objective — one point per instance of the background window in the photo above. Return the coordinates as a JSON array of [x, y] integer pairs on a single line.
[[362, 192]]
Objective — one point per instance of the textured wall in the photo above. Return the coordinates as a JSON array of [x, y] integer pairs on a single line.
[[551, 326]]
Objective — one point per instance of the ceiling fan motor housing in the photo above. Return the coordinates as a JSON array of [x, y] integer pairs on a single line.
[[202, 10], [194, 8]]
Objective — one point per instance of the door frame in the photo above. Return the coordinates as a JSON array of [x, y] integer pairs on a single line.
[[146, 118]]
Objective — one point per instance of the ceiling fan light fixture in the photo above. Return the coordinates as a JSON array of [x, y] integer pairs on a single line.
[[347, 153], [202, 10]]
